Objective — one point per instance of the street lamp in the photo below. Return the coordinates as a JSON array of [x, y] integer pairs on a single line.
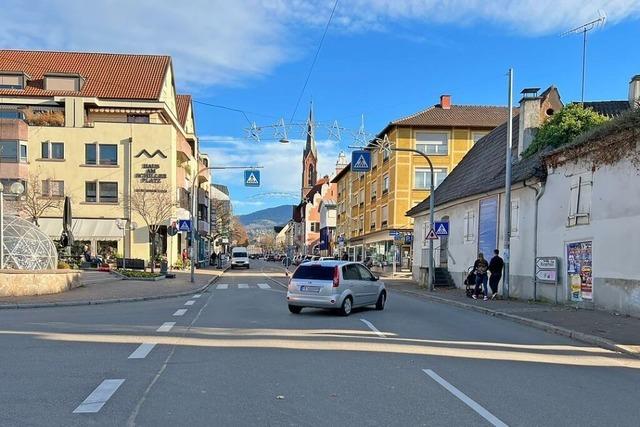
[[125, 225], [16, 189]]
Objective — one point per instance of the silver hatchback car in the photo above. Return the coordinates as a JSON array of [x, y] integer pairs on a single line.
[[340, 285]]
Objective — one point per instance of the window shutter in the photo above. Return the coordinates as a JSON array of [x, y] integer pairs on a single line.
[[584, 201], [573, 200]]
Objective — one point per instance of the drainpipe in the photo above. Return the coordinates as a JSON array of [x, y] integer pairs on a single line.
[[539, 193]]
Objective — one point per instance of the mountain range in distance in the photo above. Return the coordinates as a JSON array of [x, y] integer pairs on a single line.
[[266, 219]]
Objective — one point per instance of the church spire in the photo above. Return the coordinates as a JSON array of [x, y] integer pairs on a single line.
[[310, 146], [309, 157]]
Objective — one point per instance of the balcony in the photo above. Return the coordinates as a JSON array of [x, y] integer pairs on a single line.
[[185, 151], [184, 201], [203, 197], [13, 129], [203, 227]]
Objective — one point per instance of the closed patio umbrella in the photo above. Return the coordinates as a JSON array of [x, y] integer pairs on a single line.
[[66, 239]]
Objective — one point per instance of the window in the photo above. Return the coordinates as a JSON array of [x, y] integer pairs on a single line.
[[374, 190], [361, 223], [515, 217], [372, 219], [9, 151], [469, 225], [137, 118], [374, 159], [51, 188], [11, 114], [52, 150], [364, 273], [384, 216], [385, 184], [11, 81], [488, 225], [23, 153], [422, 178], [350, 272], [108, 192], [385, 155], [101, 154], [63, 82], [361, 198], [315, 227], [580, 200], [477, 136], [314, 272], [435, 143]]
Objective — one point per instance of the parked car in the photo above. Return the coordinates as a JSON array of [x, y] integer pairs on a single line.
[[239, 257], [327, 258], [271, 257], [339, 285]]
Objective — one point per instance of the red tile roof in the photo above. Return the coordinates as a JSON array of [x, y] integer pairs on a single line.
[[183, 102], [457, 115], [107, 75]]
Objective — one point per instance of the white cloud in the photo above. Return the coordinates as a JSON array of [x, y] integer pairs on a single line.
[[221, 42]]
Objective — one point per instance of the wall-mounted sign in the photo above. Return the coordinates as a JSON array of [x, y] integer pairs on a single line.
[[149, 174], [547, 270], [149, 155]]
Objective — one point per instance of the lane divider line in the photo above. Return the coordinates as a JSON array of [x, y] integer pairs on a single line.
[[142, 351], [495, 421], [196, 296], [373, 328], [243, 286], [222, 286], [98, 397], [166, 327], [180, 312], [190, 302]]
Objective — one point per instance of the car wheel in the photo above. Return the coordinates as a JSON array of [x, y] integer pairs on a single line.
[[347, 306], [382, 299], [295, 309]]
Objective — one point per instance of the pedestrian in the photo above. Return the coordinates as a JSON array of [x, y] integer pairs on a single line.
[[480, 267], [212, 261], [495, 267], [184, 258]]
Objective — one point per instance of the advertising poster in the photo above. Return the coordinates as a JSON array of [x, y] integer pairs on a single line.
[[579, 262]]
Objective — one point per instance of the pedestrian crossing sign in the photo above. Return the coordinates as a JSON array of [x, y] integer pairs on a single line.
[[432, 235], [360, 161], [251, 178], [442, 228]]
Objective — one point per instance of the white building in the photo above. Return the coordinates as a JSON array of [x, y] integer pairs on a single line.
[[562, 206]]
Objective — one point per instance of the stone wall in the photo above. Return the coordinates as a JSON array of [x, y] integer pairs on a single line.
[[17, 283]]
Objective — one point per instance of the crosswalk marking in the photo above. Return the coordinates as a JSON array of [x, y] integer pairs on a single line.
[[196, 296], [263, 286], [222, 286], [96, 400], [180, 312], [142, 351], [243, 286], [190, 302], [166, 327]]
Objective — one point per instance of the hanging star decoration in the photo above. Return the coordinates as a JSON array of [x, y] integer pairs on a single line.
[[254, 132], [384, 145], [280, 131], [335, 131]]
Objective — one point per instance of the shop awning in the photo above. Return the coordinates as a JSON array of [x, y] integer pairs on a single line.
[[82, 228]]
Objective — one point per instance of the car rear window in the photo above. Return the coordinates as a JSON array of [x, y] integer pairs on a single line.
[[313, 272], [240, 254]]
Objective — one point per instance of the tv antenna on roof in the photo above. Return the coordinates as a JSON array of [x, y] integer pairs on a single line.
[[584, 29]]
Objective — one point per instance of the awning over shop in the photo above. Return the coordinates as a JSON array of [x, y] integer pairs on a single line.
[[82, 228]]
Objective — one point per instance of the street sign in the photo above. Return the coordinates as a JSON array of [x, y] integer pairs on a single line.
[[547, 275], [442, 228], [432, 235], [547, 270], [394, 233], [172, 230], [547, 263], [251, 178], [408, 238], [184, 225], [360, 161]]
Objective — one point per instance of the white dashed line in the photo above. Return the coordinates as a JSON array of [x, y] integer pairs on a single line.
[[196, 296], [222, 286], [264, 286], [180, 312], [142, 351], [373, 328], [466, 399], [243, 286], [166, 327], [190, 302], [96, 400]]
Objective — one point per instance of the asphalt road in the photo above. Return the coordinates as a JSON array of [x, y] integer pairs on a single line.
[[236, 356]]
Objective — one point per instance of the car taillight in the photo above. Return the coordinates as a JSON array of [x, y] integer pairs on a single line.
[[336, 277]]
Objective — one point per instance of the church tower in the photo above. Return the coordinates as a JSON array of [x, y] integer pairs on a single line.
[[309, 157]]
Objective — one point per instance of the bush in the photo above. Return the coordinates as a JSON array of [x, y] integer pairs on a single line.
[[63, 265], [138, 274], [564, 126]]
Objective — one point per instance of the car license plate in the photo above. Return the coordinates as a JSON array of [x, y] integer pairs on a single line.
[[310, 288]]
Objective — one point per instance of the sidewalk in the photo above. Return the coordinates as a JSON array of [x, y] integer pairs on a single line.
[[112, 289], [607, 330]]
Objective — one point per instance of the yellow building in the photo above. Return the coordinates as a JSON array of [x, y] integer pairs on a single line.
[[372, 205], [97, 127]]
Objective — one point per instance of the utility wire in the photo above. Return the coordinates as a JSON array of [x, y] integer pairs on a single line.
[[315, 58]]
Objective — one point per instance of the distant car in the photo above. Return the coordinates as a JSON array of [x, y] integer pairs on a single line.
[[271, 257], [339, 285], [327, 258], [239, 258]]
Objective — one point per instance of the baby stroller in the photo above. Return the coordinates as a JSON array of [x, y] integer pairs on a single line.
[[470, 282]]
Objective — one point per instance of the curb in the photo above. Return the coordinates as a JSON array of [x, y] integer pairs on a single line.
[[113, 300], [538, 324]]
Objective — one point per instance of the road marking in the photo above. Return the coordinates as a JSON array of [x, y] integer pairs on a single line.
[[180, 312], [264, 286], [190, 302], [466, 399], [222, 286], [243, 286], [196, 296], [166, 327], [142, 351], [98, 397], [373, 328]]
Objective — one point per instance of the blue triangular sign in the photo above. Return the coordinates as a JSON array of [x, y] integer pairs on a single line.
[[361, 163]]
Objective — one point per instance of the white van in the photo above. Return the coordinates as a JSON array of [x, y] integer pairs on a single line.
[[239, 257]]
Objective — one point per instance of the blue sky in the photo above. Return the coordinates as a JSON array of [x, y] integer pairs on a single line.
[[381, 58]]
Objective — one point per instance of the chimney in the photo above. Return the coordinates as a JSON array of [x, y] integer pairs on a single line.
[[529, 118], [445, 102], [634, 91]]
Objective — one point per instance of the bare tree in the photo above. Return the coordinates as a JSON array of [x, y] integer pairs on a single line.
[[154, 203], [40, 195], [238, 233], [221, 221]]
